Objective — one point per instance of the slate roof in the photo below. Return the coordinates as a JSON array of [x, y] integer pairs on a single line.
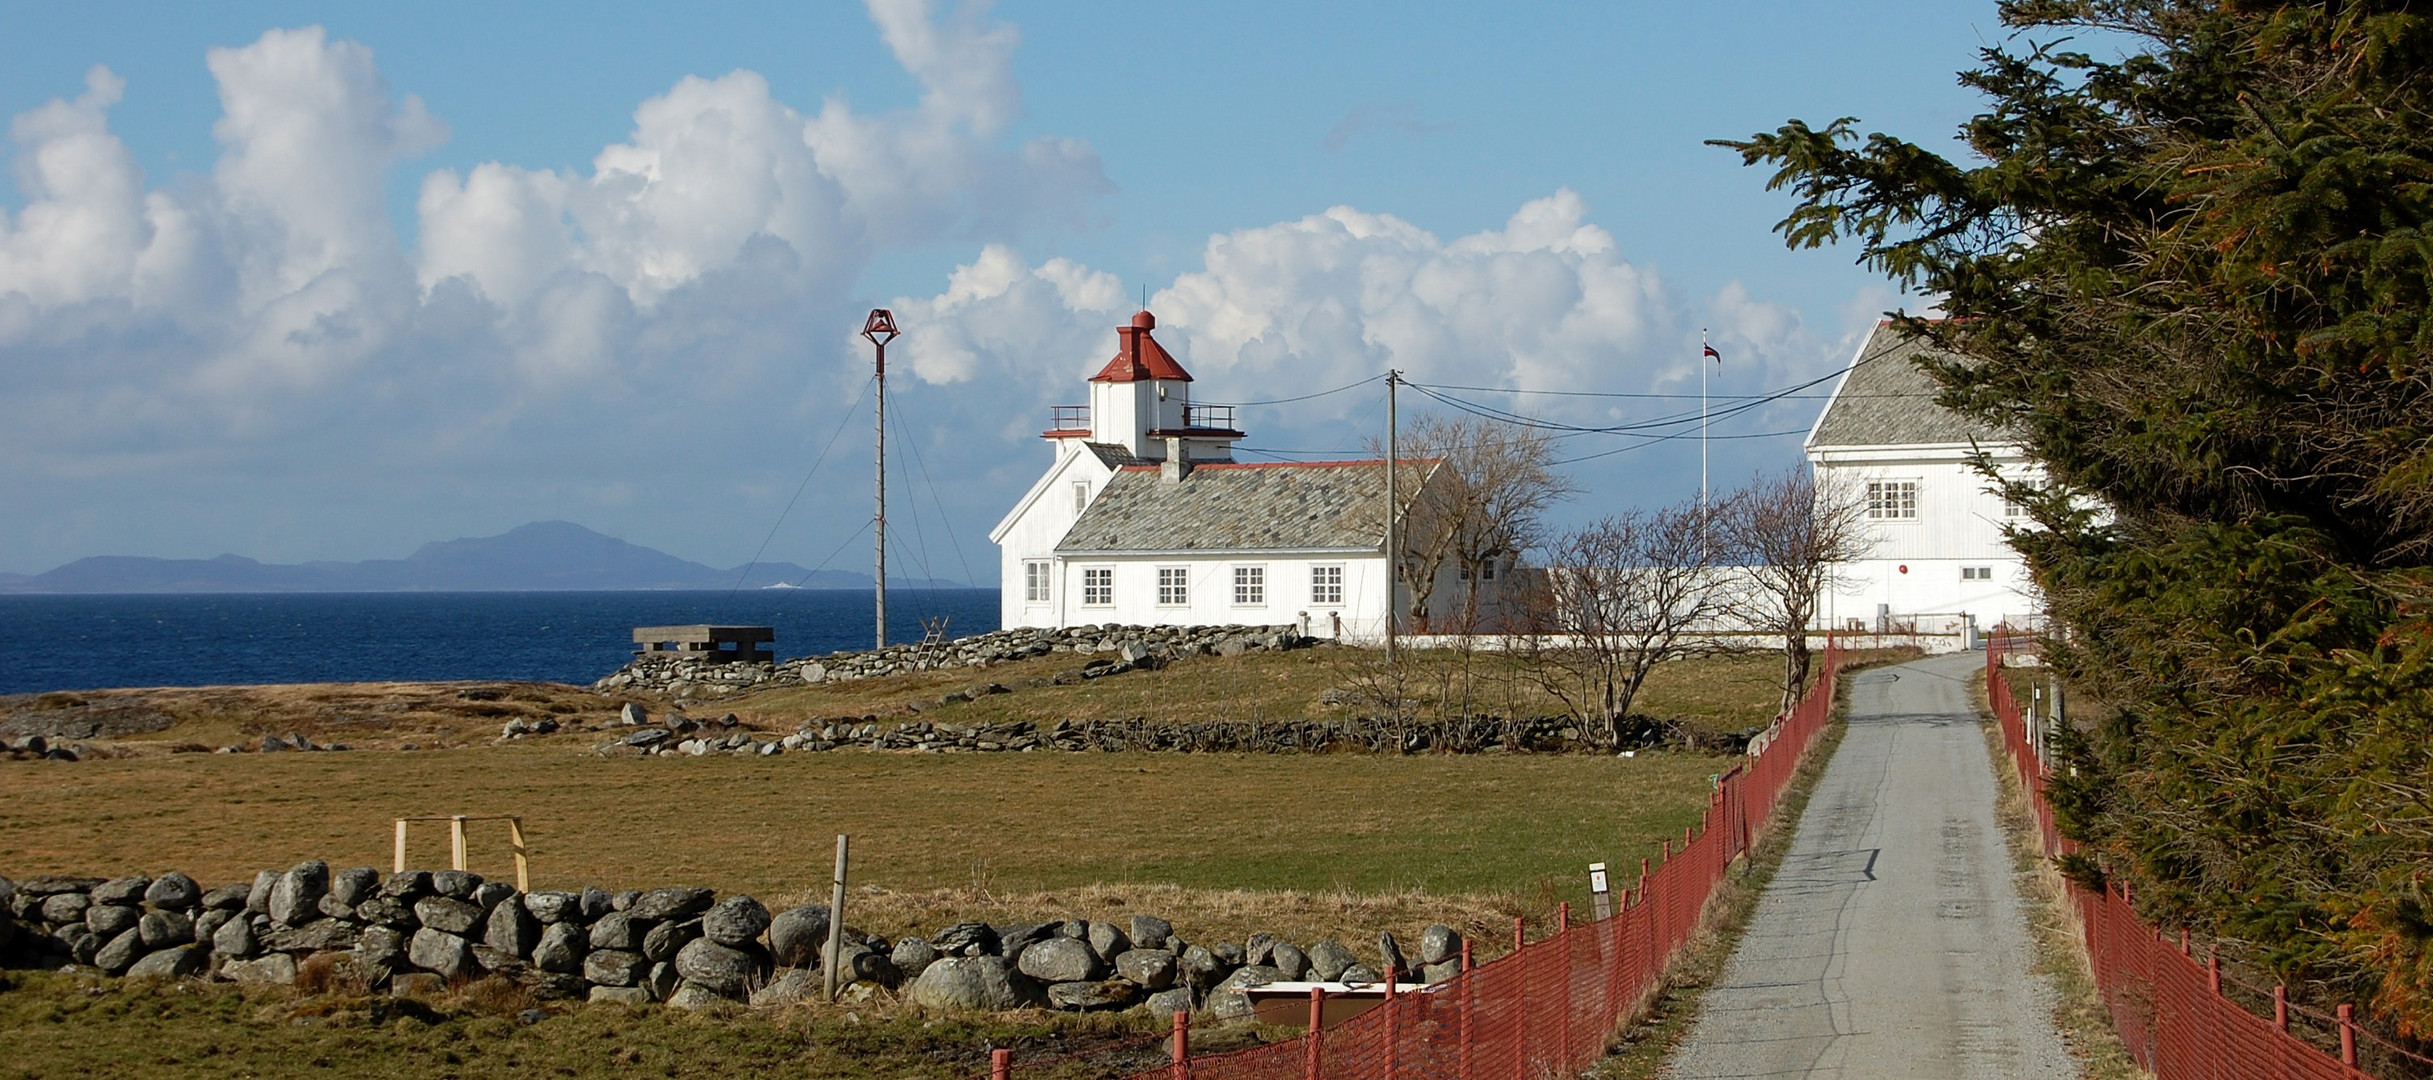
[[1242, 507], [1887, 400], [1113, 455], [1138, 356]]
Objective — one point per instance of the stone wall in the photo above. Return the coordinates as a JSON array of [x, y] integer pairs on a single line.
[[1467, 735], [1129, 645], [420, 930]]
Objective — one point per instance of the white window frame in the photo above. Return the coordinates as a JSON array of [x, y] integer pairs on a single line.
[[1892, 500], [1326, 584], [1098, 586], [1250, 585], [1081, 495], [1037, 582], [1976, 573], [1174, 586]]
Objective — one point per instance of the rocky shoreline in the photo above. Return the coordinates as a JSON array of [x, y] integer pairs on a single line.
[[419, 931]]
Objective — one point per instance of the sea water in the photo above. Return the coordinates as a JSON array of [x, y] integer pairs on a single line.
[[97, 642]]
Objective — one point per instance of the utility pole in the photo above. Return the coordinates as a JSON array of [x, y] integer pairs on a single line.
[[880, 329], [1704, 350], [1393, 504]]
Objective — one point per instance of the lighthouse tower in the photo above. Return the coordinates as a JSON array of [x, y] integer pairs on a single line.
[[1141, 402]]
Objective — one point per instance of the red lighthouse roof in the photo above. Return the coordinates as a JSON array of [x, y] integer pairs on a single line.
[[1138, 356]]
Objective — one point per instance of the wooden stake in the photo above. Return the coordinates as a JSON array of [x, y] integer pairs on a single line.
[[836, 921], [523, 866], [401, 845], [456, 841]]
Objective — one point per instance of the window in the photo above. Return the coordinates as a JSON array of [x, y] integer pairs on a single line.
[[1249, 586], [1097, 586], [1976, 573], [2013, 510], [1486, 571], [1035, 581], [1173, 586], [1081, 495], [1892, 500], [1326, 584]]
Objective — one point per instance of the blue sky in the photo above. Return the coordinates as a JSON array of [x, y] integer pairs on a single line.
[[590, 270]]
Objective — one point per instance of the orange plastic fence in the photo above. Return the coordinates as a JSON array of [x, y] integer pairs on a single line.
[[1549, 1007], [2179, 1015]]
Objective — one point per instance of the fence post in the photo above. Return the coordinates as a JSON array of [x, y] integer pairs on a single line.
[[2348, 1035], [1311, 1059], [1182, 1044], [2213, 972], [836, 924], [1466, 1004], [401, 845], [2280, 1009], [1520, 933], [523, 866], [1393, 1023], [456, 841], [1000, 1065], [1562, 917]]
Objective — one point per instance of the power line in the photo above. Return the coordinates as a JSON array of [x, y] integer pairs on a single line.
[[1304, 397], [798, 488]]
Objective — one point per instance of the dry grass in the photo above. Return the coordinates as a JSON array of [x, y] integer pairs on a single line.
[[380, 715]]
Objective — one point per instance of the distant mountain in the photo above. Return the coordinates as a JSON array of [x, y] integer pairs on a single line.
[[540, 557]]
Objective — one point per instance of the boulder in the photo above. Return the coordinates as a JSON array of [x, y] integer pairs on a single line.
[[440, 953], [620, 995], [1226, 1000], [121, 952], [1229, 955], [1328, 958], [966, 939], [1201, 968], [125, 890], [229, 897], [615, 931], [1436, 973], [1361, 975], [173, 890], [1108, 940], [614, 967], [330, 906], [1153, 969], [911, 956], [596, 903], [490, 894], [512, 930], [176, 962], [407, 885], [1165, 1003], [1439, 943], [790, 986], [381, 950], [111, 920], [1149, 931], [296, 897], [80, 942], [416, 984], [1289, 959], [354, 885], [660, 981], [736, 921], [1060, 959], [560, 948], [1260, 949], [384, 911], [278, 969], [552, 908], [447, 914], [65, 907], [209, 923], [665, 940], [695, 996], [455, 884], [1390, 951], [966, 982], [714, 967], [796, 936], [235, 938], [257, 897], [1095, 996], [659, 905], [161, 929], [633, 715]]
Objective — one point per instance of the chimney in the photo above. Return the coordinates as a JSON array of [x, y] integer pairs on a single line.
[[1176, 466]]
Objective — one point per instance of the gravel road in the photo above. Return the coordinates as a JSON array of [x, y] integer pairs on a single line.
[[1892, 942]]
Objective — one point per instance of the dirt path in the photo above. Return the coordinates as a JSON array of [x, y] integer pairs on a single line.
[[1891, 943]]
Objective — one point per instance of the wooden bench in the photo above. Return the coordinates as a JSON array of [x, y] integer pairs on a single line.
[[715, 644]]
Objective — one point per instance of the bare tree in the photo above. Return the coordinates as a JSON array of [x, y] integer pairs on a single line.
[[1623, 595], [1488, 487], [1787, 533]]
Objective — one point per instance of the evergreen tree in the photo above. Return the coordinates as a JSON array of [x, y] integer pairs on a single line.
[[2189, 265]]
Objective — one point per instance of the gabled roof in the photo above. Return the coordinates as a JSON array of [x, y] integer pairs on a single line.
[[1114, 455], [1138, 356], [1886, 399], [1293, 506]]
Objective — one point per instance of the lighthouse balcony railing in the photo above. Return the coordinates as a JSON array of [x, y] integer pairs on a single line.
[[1068, 420], [1219, 417]]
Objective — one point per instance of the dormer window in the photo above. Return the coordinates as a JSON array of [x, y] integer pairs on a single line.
[[1081, 495]]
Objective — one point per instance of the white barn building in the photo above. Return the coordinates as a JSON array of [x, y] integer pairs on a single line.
[[1144, 518], [1939, 560]]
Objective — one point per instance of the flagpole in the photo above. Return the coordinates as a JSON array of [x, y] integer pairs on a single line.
[[1704, 350]]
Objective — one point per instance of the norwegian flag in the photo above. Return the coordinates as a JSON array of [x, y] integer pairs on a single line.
[[1710, 351]]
